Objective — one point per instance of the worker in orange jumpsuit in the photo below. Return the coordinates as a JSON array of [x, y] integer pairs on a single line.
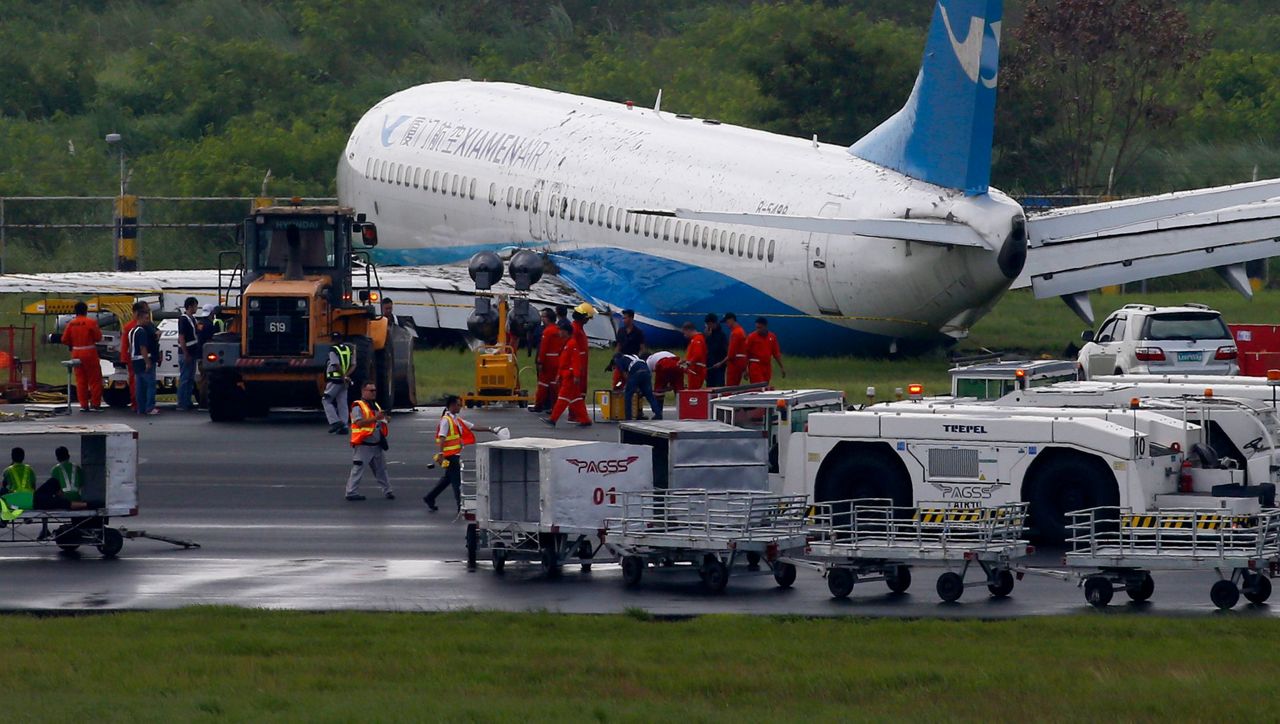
[[138, 308], [581, 314], [762, 350], [548, 362], [666, 370], [695, 358], [82, 335], [736, 362], [571, 386]]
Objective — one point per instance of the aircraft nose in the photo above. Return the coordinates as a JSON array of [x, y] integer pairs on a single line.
[[1013, 251]]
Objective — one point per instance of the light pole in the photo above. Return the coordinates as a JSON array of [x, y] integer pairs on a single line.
[[126, 221], [115, 139]]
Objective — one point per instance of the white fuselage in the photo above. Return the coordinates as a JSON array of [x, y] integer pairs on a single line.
[[449, 169]]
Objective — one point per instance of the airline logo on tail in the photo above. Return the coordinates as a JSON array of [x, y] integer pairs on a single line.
[[976, 54]]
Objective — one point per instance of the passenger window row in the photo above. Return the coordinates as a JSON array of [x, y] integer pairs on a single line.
[[412, 176]]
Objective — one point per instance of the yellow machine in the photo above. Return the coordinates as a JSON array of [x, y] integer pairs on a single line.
[[298, 286], [497, 370]]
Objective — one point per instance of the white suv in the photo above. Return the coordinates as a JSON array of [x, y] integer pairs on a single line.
[[1143, 339]]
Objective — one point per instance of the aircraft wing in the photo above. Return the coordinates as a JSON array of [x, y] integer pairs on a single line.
[[428, 298], [1072, 251]]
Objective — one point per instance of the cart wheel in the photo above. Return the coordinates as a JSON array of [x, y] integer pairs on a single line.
[[717, 576], [1224, 594], [898, 579], [1003, 584], [586, 567], [1143, 590], [68, 547], [473, 543], [950, 586], [784, 574], [632, 570], [1098, 591], [753, 561], [499, 560], [112, 542], [551, 561], [840, 582], [1257, 588]]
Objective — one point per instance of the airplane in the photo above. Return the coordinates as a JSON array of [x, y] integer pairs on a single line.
[[896, 244]]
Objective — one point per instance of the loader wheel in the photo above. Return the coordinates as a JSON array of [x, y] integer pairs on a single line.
[[1098, 591], [226, 402], [1066, 483], [632, 570], [1224, 594], [116, 396], [950, 586], [112, 542], [1003, 584], [840, 582], [1257, 588], [861, 474], [1143, 591], [382, 377], [784, 574], [898, 579], [403, 377]]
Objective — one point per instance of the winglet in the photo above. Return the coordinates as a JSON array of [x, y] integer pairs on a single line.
[[943, 134]]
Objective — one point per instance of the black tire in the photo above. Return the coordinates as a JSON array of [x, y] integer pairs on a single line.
[[473, 544], [551, 561], [363, 369], [1098, 591], [1144, 590], [403, 375], [1257, 588], [1003, 584], [632, 570], [382, 375], [68, 547], [950, 586], [784, 574], [1224, 594], [112, 542], [499, 560], [117, 397], [864, 473], [717, 576], [1063, 484], [753, 561], [840, 582], [898, 579], [226, 401]]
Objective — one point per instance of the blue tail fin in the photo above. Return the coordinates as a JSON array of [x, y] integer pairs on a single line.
[[943, 134]]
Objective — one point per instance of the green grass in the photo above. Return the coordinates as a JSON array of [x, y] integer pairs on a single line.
[[239, 665]]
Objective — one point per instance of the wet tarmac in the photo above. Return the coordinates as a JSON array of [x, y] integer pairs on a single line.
[[264, 499]]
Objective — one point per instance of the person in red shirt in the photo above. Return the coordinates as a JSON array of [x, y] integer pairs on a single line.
[[666, 371], [82, 335], [571, 387], [695, 358], [138, 307], [762, 349], [736, 362], [548, 362]]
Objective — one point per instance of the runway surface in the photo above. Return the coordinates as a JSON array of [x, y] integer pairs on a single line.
[[264, 499]]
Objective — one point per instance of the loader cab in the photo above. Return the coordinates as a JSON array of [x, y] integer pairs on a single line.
[[300, 242], [780, 413]]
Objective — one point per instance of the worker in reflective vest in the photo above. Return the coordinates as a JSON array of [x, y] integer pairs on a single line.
[[549, 348], [368, 444], [762, 350], [452, 434], [695, 358], [18, 484], [571, 385], [69, 476], [337, 379], [82, 335], [736, 363]]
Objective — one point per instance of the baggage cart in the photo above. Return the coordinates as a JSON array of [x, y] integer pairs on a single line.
[[108, 456], [707, 529], [1114, 549], [868, 540], [545, 501]]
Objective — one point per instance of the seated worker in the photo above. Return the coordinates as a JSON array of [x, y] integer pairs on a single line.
[[18, 484], [64, 488]]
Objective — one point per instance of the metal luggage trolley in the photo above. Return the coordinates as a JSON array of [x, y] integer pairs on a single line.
[[1116, 549], [870, 539], [707, 529]]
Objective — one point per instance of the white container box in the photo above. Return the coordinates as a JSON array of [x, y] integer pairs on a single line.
[[565, 485]]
